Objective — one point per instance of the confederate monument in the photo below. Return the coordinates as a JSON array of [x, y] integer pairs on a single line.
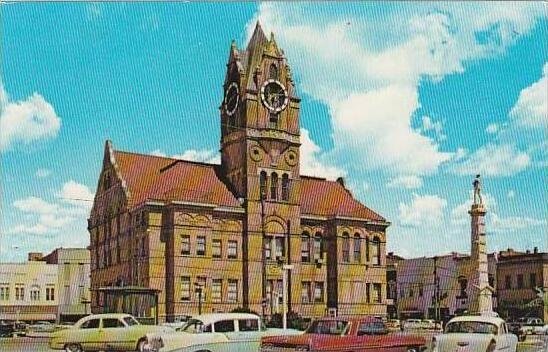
[[480, 292]]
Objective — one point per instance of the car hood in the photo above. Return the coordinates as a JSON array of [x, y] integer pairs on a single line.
[[474, 342]]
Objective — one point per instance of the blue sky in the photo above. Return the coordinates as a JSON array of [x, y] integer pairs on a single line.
[[406, 100]]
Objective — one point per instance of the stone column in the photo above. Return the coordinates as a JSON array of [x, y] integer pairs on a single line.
[[480, 298]]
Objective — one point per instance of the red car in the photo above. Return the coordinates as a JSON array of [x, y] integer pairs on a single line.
[[345, 335]]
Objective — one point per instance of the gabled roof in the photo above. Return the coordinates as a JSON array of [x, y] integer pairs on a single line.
[[329, 198], [150, 177]]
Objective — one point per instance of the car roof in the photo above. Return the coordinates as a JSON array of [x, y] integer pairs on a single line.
[[106, 315], [479, 318], [214, 317], [352, 318]]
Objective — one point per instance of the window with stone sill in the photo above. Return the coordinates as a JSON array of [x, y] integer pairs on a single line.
[[306, 292], [232, 250], [4, 292], [285, 187], [345, 248], [216, 290], [357, 248], [305, 247], [377, 293], [376, 249], [35, 293], [216, 249], [185, 245], [50, 293], [200, 245], [318, 292], [185, 288], [274, 186], [232, 291]]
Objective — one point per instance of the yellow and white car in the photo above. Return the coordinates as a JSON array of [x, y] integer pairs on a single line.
[[100, 332]]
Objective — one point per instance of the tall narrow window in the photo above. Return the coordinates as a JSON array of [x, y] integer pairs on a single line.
[[376, 251], [346, 248], [318, 247], [274, 186], [357, 248], [280, 247], [305, 247], [216, 290], [285, 187], [185, 245], [318, 292], [273, 121], [268, 247], [305, 292], [273, 72], [200, 245], [185, 288], [216, 249], [232, 291], [532, 280], [262, 182], [367, 254], [377, 293], [368, 292], [232, 249], [35, 293]]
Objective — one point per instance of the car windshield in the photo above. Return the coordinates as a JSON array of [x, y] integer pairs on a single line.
[[328, 327], [472, 327], [130, 321], [193, 326]]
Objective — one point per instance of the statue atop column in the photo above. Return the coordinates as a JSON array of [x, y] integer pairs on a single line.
[[477, 190]]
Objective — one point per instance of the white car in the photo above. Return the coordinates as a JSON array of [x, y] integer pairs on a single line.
[[412, 324], [216, 332], [475, 333]]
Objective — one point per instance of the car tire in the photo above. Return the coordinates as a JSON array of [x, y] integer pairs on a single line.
[[73, 347], [141, 345]]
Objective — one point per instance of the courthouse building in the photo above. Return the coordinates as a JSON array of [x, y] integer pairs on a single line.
[[192, 235]]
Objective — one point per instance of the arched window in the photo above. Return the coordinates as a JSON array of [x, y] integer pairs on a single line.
[[305, 247], [262, 185], [273, 72], [357, 248], [274, 186], [35, 293], [318, 246], [376, 247], [346, 247], [285, 187]]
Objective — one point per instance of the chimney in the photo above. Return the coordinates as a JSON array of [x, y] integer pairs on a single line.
[[340, 180], [35, 256], [535, 250], [527, 252]]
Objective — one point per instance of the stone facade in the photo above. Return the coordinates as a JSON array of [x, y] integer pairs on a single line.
[[520, 278], [182, 227]]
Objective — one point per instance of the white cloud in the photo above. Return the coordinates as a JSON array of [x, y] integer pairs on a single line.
[[408, 182], [459, 214], [493, 160], [42, 173], [35, 205], [513, 223], [44, 217], [531, 108], [26, 121], [511, 194], [423, 211], [377, 132], [460, 154], [436, 126], [311, 158], [492, 128]]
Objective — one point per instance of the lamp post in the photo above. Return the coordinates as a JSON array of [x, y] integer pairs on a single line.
[[198, 290], [285, 268]]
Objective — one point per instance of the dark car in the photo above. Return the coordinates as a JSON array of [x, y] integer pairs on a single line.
[[6, 329]]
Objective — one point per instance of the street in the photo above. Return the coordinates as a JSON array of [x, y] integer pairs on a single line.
[[24, 344]]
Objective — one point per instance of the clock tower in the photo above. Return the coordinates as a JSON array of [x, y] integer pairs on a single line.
[[260, 154]]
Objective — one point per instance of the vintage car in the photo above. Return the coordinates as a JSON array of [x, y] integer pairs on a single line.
[[216, 332], [411, 324], [345, 335], [99, 332], [473, 333]]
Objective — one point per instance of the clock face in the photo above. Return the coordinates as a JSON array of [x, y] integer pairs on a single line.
[[232, 98], [274, 95]]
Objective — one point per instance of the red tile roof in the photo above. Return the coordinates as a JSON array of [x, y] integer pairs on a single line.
[[329, 198], [150, 177]]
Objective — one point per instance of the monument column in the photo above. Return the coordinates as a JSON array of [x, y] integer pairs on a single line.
[[480, 298]]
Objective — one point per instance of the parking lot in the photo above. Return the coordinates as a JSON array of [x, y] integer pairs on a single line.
[[40, 344]]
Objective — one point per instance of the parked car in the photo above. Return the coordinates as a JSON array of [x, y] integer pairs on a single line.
[[42, 326], [178, 322], [6, 329], [98, 332], [345, 335], [216, 332], [20, 328], [411, 324], [529, 326], [475, 333]]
